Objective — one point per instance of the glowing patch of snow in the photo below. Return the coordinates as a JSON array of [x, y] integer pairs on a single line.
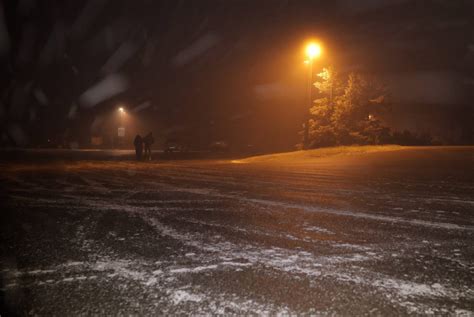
[[235, 263], [183, 296], [36, 272], [73, 263], [352, 246], [318, 230], [463, 313], [151, 281], [195, 269], [409, 289], [121, 268]]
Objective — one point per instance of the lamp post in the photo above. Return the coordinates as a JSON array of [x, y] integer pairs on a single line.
[[121, 128], [313, 50]]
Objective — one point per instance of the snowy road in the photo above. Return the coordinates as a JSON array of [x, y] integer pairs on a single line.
[[387, 232]]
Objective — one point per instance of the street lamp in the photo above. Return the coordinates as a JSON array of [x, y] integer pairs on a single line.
[[313, 50], [121, 128]]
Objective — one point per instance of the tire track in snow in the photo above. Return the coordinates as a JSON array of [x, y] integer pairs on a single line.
[[314, 209]]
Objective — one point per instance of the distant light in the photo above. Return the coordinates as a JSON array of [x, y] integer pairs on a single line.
[[371, 117], [313, 50], [121, 110]]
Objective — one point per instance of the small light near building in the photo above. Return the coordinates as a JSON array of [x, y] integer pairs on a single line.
[[96, 140], [370, 117]]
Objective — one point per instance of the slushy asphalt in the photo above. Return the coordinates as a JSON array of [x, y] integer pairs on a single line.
[[381, 233]]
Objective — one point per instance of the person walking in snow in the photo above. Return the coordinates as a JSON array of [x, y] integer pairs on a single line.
[[148, 140], [138, 143]]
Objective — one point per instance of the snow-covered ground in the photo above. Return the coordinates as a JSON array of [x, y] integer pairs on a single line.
[[354, 231]]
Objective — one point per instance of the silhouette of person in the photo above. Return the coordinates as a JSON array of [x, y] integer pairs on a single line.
[[148, 140], [138, 143]]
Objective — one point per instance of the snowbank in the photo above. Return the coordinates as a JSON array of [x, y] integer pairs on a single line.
[[319, 153]]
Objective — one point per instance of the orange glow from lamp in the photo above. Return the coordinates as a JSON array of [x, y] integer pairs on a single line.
[[313, 50]]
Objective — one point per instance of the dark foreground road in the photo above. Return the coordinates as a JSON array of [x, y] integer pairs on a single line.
[[383, 233]]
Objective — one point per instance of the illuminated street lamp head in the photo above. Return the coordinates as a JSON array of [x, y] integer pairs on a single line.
[[121, 110], [313, 50]]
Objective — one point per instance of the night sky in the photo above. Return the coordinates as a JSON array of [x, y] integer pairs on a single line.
[[225, 70]]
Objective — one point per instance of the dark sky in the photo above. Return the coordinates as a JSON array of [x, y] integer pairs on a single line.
[[227, 69]]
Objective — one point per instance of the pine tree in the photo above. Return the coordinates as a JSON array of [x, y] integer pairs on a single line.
[[347, 113], [321, 128], [357, 118]]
